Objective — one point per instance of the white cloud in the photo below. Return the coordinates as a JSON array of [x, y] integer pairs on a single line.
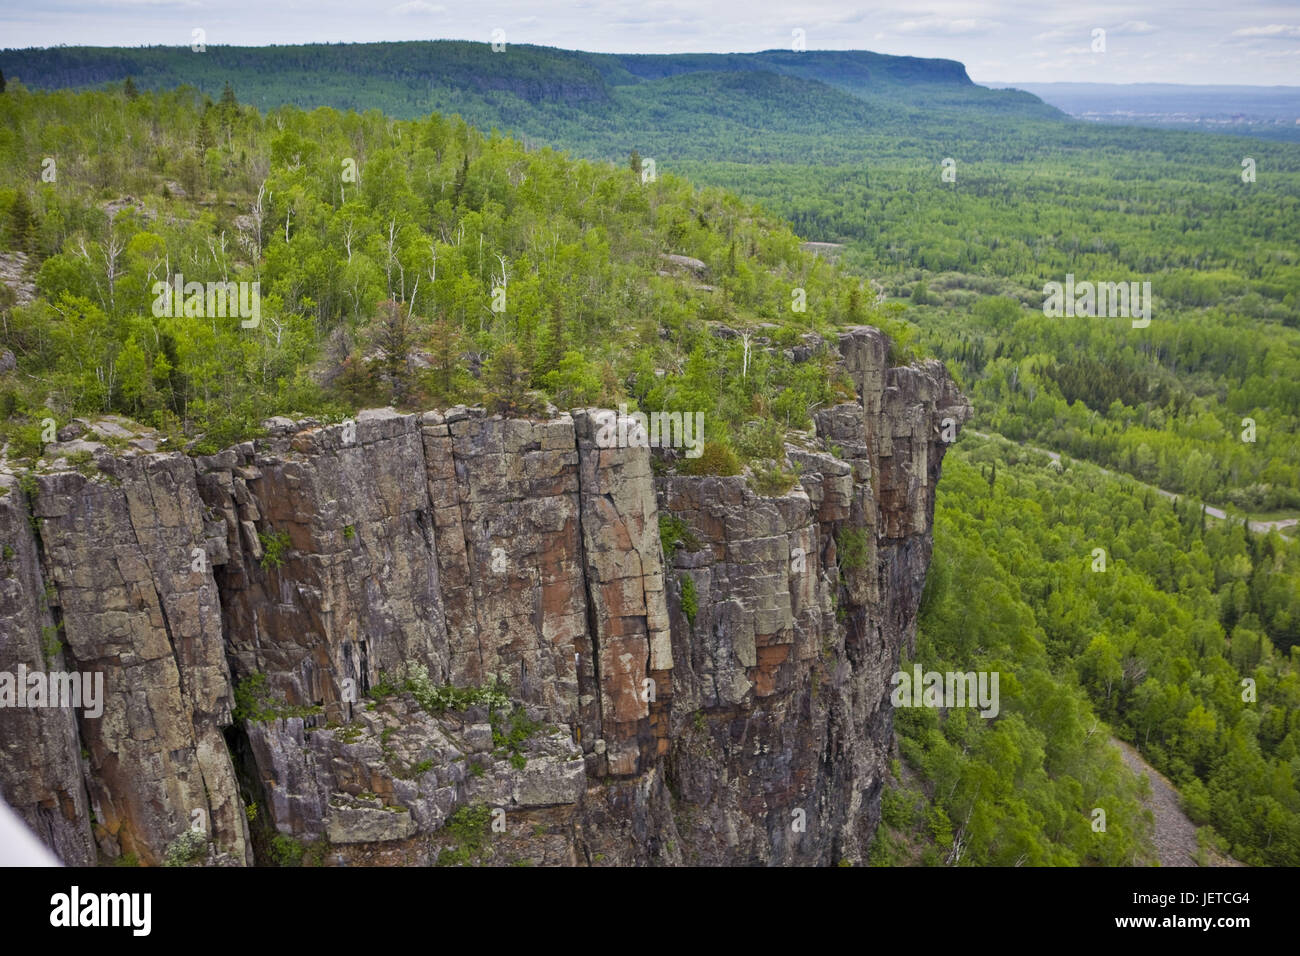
[[944, 26], [1272, 30], [415, 8], [1134, 26]]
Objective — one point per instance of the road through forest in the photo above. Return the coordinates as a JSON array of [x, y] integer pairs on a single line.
[[1213, 512]]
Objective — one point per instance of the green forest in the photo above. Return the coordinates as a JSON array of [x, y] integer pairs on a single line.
[[420, 259], [1162, 639]]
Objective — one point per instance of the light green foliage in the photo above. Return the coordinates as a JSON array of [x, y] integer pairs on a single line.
[[274, 545], [716, 458], [439, 699], [690, 598], [576, 247], [469, 830], [254, 700], [853, 548], [674, 534], [190, 847], [51, 646], [772, 480], [1143, 646]]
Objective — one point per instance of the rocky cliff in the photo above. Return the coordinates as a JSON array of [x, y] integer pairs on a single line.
[[452, 637]]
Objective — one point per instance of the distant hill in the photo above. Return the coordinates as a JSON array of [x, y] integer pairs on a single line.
[[747, 107]]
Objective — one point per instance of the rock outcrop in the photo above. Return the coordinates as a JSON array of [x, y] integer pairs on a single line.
[[452, 637]]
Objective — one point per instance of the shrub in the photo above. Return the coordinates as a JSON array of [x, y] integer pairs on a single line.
[[468, 829], [673, 534], [690, 599], [774, 480], [715, 459], [274, 545], [509, 741], [287, 851], [439, 699], [190, 846], [761, 439], [852, 545], [254, 700], [50, 643]]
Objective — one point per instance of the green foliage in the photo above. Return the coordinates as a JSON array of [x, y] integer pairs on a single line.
[[188, 848], [254, 700], [773, 479], [469, 830], [506, 378], [287, 850], [673, 534], [82, 461], [1147, 646], [274, 545], [509, 738], [349, 532], [440, 699], [690, 598], [761, 439], [716, 458], [51, 646], [852, 548]]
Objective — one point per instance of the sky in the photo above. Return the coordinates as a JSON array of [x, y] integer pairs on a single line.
[[1254, 42]]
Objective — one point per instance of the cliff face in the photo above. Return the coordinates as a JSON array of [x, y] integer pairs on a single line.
[[726, 703]]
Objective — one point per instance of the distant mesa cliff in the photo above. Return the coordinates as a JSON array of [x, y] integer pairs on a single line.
[[534, 73], [280, 625]]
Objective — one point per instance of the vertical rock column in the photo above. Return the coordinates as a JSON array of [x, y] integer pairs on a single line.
[[515, 602], [625, 586], [128, 556], [40, 748]]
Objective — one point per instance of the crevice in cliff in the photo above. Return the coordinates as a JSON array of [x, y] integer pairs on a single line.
[[592, 620], [162, 605], [465, 546]]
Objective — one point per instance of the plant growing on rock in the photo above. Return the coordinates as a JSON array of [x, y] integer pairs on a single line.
[[674, 534], [190, 847], [690, 599], [274, 545]]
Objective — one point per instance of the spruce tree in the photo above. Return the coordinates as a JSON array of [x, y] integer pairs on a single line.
[[506, 379], [23, 227]]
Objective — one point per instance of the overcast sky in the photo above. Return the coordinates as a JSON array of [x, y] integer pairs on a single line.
[[1222, 41]]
